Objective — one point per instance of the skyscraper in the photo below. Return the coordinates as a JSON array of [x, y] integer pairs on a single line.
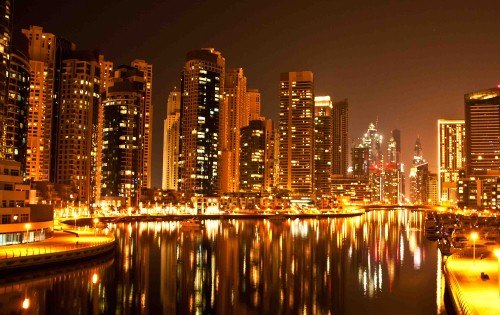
[[482, 131], [78, 125], [296, 129], [234, 116], [122, 139], [323, 132], [451, 157], [17, 106], [419, 176], [171, 134], [253, 147], [5, 42], [147, 126], [253, 101], [46, 53], [201, 100], [340, 137]]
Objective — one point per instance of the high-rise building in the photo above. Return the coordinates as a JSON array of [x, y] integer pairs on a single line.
[[323, 133], [171, 135], [372, 140], [234, 116], [122, 139], [396, 134], [79, 125], [16, 120], [201, 100], [451, 157], [391, 175], [296, 128], [253, 103], [5, 42], [46, 53], [147, 126], [253, 157], [360, 162], [482, 131], [419, 176], [340, 137]]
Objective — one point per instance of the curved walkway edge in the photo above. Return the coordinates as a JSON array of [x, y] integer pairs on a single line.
[[470, 292], [61, 248]]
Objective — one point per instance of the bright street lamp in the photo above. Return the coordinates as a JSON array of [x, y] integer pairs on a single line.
[[27, 226], [473, 236], [26, 303], [497, 253]]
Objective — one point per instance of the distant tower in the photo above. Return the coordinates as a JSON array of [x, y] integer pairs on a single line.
[[201, 101], [340, 137], [122, 140], [296, 126], [234, 116], [78, 125], [419, 176], [147, 126], [323, 131], [171, 134], [451, 157], [373, 142]]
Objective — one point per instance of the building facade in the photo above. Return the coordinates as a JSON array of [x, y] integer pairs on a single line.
[[171, 135], [340, 137], [201, 101], [122, 138], [323, 157], [451, 157], [296, 131], [147, 127], [78, 125]]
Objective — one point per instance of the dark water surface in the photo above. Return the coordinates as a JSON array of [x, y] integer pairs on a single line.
[[378, 263]]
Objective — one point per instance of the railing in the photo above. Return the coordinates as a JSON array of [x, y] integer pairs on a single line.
[[459, 300]]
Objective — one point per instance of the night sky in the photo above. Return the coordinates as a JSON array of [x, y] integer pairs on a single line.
[[404, 64]]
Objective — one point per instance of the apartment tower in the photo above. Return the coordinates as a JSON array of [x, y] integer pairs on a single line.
[[147, 126], [296, 130], [323, 133], [122, 140], [201, 101], [171, 135], [451, 157], [340, 159]]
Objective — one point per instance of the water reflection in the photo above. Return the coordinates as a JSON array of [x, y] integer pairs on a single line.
[[377, 263]]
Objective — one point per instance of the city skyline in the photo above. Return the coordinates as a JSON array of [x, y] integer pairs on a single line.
[[416, 58]]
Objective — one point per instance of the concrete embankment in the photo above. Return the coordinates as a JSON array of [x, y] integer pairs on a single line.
[[473, 283], [61, 248]]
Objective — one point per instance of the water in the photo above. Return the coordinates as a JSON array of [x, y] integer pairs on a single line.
[[378, 263]]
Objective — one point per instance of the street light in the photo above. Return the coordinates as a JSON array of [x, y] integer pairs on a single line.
[[497, 253], [27, 226], [26, 303], [76, 217], [96, 220], [473, 236]]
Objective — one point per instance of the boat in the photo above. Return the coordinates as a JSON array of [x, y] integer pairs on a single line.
[[277, 217], [192, 224]]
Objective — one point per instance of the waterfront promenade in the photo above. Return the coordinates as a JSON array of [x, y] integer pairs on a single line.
[[471, 293], [63, 247]]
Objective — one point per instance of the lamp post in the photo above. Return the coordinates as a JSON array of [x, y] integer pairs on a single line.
[[497, 253], [473, 236], [76, 217], [27, 226], [96, 220]]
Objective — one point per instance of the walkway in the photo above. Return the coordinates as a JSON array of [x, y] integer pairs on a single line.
[[473, 294], [62, 246]]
